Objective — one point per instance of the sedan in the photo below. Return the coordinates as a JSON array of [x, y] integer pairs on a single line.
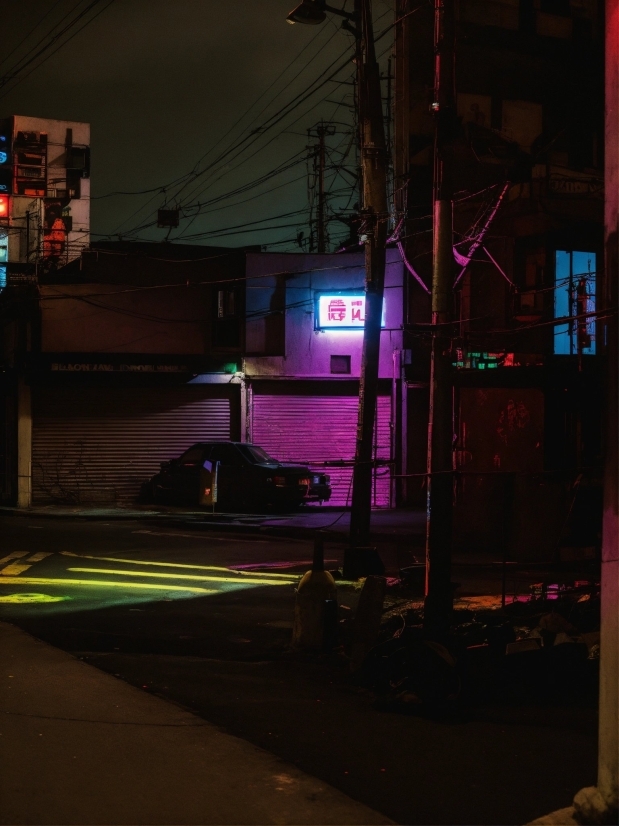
[[246, 477]]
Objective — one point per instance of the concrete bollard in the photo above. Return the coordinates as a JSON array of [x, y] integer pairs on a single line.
[[315, 610]]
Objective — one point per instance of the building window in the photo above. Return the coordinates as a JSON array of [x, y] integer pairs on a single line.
[[340, 364], [574, 298], [227, 319], [522, 122]]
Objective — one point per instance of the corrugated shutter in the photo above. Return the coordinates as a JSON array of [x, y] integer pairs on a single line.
[[319, 429], [95, 445]]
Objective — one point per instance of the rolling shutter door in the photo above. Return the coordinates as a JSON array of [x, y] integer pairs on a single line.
[[318, 429], [94, 445]]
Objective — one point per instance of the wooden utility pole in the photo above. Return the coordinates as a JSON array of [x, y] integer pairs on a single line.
[[439, 599], [375, 217]]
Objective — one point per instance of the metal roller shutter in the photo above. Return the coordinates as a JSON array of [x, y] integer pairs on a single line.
[[94, 445], [319, 429]]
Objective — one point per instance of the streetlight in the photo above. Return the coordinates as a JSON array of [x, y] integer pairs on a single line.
[[307, 12], [314, 12], [375, 217]]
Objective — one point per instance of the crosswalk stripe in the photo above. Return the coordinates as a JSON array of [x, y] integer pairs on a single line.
[[13, 570], [32, 580], [180, 576], [38, 556], [14, 555], [262, 574]]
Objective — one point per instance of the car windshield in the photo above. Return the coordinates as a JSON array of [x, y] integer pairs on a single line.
[[257, 455]]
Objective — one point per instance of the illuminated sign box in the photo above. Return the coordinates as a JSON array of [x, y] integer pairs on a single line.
[[341, 312]]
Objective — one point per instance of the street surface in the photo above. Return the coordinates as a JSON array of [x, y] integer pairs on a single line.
[[204, 619]]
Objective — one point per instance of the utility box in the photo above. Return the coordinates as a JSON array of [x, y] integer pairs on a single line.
[[208, 483]]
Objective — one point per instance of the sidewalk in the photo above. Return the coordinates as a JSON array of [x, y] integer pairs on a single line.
[[81, 747]]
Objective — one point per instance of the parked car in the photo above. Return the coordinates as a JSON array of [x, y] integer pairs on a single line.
[[247, 478]]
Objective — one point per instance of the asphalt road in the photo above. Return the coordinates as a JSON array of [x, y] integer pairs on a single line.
[[204, 620]]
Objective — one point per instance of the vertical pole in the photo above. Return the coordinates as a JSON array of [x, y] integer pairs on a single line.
[[27, 256], [598, 804], [322, 247], [439, 600], [375, 214], [24, 445]]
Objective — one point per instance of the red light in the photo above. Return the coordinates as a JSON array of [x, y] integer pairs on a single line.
[[4, 206]]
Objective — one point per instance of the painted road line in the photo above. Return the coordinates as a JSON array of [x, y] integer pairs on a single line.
[[101, 583], [194, 536], [14, 555], [38, 557], [264, 574], [179, 576], [13, 570]]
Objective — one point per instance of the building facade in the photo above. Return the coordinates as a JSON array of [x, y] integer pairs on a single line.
[[524, 155], [99, 360], [44, 194], [303, 343]]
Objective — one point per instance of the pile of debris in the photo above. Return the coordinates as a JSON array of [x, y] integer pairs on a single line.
[[544, 650]]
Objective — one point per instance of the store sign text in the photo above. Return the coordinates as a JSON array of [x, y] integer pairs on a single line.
[[122, 368], [341, 312]]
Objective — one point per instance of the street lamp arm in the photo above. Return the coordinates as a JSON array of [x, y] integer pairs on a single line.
[[349, 15]]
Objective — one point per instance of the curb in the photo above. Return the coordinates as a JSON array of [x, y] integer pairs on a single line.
[[189, 519]]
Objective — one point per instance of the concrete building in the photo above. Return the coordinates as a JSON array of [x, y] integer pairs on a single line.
[[525, 150], [303, 341], [45, 186], [98, 359]]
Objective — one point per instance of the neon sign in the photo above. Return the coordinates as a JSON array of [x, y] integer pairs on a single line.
[[341, 312]]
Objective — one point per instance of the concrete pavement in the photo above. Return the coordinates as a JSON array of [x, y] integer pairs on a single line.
[[82, 747]]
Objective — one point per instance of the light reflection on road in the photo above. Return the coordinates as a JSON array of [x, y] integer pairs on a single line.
[[96, 587]]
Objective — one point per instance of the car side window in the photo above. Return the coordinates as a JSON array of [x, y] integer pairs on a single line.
[[192, 457], [227, 455]]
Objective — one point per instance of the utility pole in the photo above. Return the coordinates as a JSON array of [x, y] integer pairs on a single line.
[[375, 218], [322, 247], [599, 803], [439, 515], [322, 130]]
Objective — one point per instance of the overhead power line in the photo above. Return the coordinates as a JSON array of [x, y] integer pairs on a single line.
[[40, 53]]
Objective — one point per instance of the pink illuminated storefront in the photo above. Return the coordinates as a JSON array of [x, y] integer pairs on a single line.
[[304, 335]]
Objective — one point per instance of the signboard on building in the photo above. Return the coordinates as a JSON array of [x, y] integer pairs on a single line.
[[341, 312]]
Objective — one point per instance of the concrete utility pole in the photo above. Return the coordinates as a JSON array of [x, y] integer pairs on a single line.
[[439, 598], [375, 217], [598, 804]]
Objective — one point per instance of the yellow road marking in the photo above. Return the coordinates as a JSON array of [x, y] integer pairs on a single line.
[[14, 555], [38, 556], [176, 576], [32, 580], [263, 574], [13, 570]]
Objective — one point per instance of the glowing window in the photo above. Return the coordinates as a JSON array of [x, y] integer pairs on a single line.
[[574, 299]]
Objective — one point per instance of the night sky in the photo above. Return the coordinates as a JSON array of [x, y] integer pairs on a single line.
[[162, 83]]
